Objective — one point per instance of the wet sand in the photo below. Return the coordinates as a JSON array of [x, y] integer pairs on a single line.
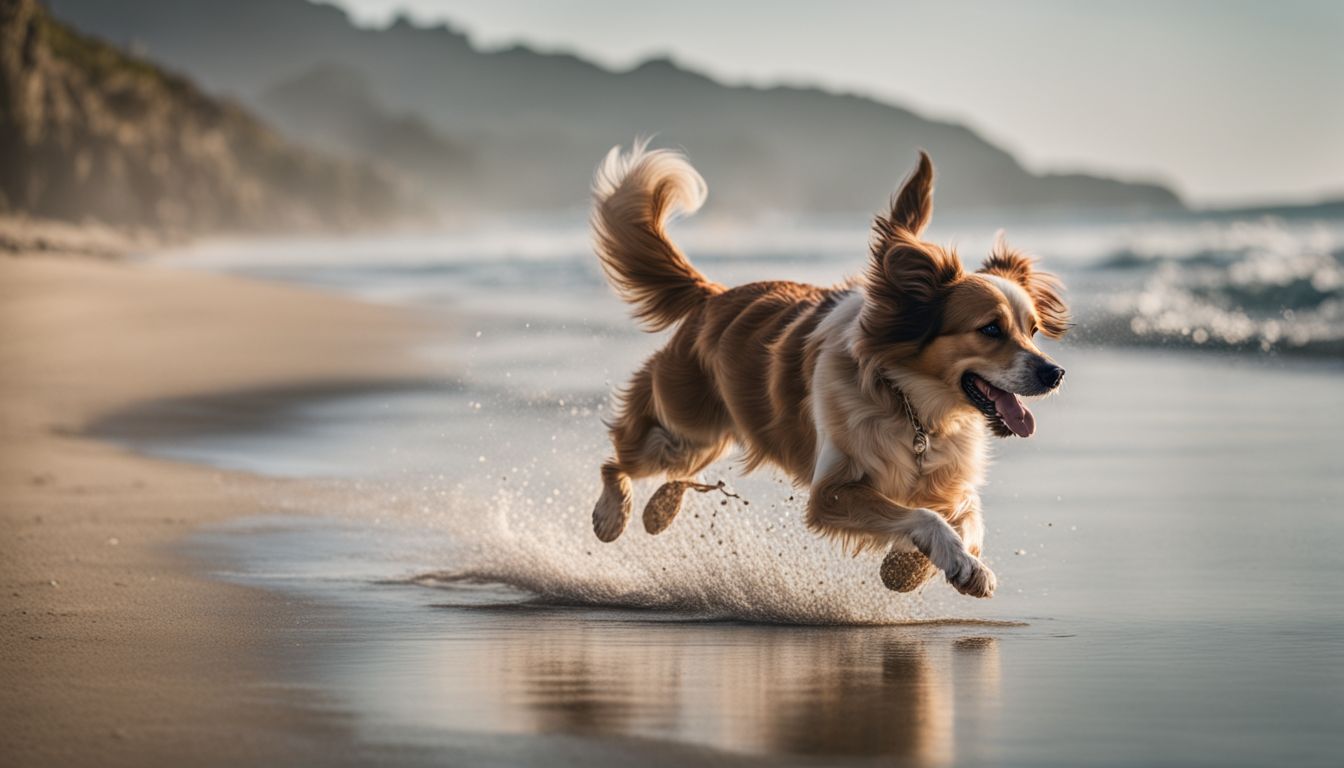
[[115, 651]]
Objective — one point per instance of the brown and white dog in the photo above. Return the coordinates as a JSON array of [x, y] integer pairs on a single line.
[[879, 394]]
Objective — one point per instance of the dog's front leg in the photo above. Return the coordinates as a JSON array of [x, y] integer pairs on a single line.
[[855, 511], [970, 524]]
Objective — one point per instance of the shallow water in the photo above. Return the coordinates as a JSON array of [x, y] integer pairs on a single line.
[[1167, 546], [1177, 599]]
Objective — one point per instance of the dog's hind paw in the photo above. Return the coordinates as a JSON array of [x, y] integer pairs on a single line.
[[612, 512], [664, 505], [906, 571]]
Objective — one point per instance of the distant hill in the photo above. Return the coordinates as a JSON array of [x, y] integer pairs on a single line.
[[1324, 209], [535, 124], [334, 108], [88, 132]]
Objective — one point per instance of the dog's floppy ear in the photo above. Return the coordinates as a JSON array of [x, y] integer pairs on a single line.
[[907, 278], [906, 288], [1045, 290], [911, 208]]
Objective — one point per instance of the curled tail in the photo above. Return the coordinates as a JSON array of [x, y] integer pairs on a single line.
[[635, 195]]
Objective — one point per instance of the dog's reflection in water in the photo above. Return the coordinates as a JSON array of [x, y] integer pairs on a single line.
[[761, 690]]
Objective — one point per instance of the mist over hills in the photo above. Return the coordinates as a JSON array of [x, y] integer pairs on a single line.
[[334, 108], [90, 133], [516, 129]]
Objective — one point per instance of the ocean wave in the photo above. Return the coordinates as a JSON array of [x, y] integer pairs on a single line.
[[1265, 288]]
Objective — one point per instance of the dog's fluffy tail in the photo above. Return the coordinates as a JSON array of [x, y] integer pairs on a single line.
[[635, 195]]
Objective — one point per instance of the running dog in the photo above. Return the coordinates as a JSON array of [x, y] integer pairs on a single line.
[[878, 394]]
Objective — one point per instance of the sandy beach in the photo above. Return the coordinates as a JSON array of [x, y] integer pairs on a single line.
[[114, 652]]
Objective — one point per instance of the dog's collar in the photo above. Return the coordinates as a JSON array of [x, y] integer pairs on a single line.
[[921, 441]]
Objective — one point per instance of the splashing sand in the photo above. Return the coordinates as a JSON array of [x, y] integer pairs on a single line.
[[721, 559]]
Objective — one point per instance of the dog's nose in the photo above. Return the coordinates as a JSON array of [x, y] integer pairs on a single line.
[[1051, 375]]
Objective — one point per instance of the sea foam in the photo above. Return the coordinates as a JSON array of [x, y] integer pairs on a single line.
[[1259, 286]]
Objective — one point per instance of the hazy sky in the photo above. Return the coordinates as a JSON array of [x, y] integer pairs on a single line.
[[1227, 100]]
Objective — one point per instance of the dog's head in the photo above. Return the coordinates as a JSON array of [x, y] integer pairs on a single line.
[[972, 333]]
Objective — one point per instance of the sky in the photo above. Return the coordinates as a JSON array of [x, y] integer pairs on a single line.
[[1228, 101]]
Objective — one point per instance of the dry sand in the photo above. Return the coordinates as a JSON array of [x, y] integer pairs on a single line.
[[113, 651]]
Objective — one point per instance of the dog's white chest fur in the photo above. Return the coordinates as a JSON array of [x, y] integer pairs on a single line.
[[955, 454], [864, 437]]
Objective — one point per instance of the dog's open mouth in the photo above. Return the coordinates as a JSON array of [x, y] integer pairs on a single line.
[[1004, 410]]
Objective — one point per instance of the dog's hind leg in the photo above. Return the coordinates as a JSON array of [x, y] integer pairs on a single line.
[[612, 511], [646, 447], [656, 451], [629, 428]]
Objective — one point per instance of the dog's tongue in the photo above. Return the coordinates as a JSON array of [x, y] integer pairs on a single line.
[[1010, 409]]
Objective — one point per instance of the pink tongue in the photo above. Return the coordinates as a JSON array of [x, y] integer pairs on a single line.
[[1010, 409], [1014, 413]]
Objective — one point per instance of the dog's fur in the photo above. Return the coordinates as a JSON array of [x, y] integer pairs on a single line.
[[806, 377]]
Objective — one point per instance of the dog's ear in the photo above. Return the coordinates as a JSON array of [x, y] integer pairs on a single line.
[[906, 287], [1045, 290], [911, 208]]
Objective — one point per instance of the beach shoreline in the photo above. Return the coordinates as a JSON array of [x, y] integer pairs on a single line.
[[171, 610], [117, 649]]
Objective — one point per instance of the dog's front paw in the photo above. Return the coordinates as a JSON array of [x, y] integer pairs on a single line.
[[972, 577]]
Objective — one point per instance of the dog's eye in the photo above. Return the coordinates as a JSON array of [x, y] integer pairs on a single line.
[[992, 330]]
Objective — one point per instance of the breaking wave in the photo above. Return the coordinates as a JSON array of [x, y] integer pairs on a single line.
[[1255, 286]]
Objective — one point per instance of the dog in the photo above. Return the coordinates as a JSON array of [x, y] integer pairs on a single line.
[[878, 394]]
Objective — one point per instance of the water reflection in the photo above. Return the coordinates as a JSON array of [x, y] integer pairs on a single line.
[[760, 690]]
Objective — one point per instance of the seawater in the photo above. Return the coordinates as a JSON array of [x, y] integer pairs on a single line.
[[1166, 545]]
